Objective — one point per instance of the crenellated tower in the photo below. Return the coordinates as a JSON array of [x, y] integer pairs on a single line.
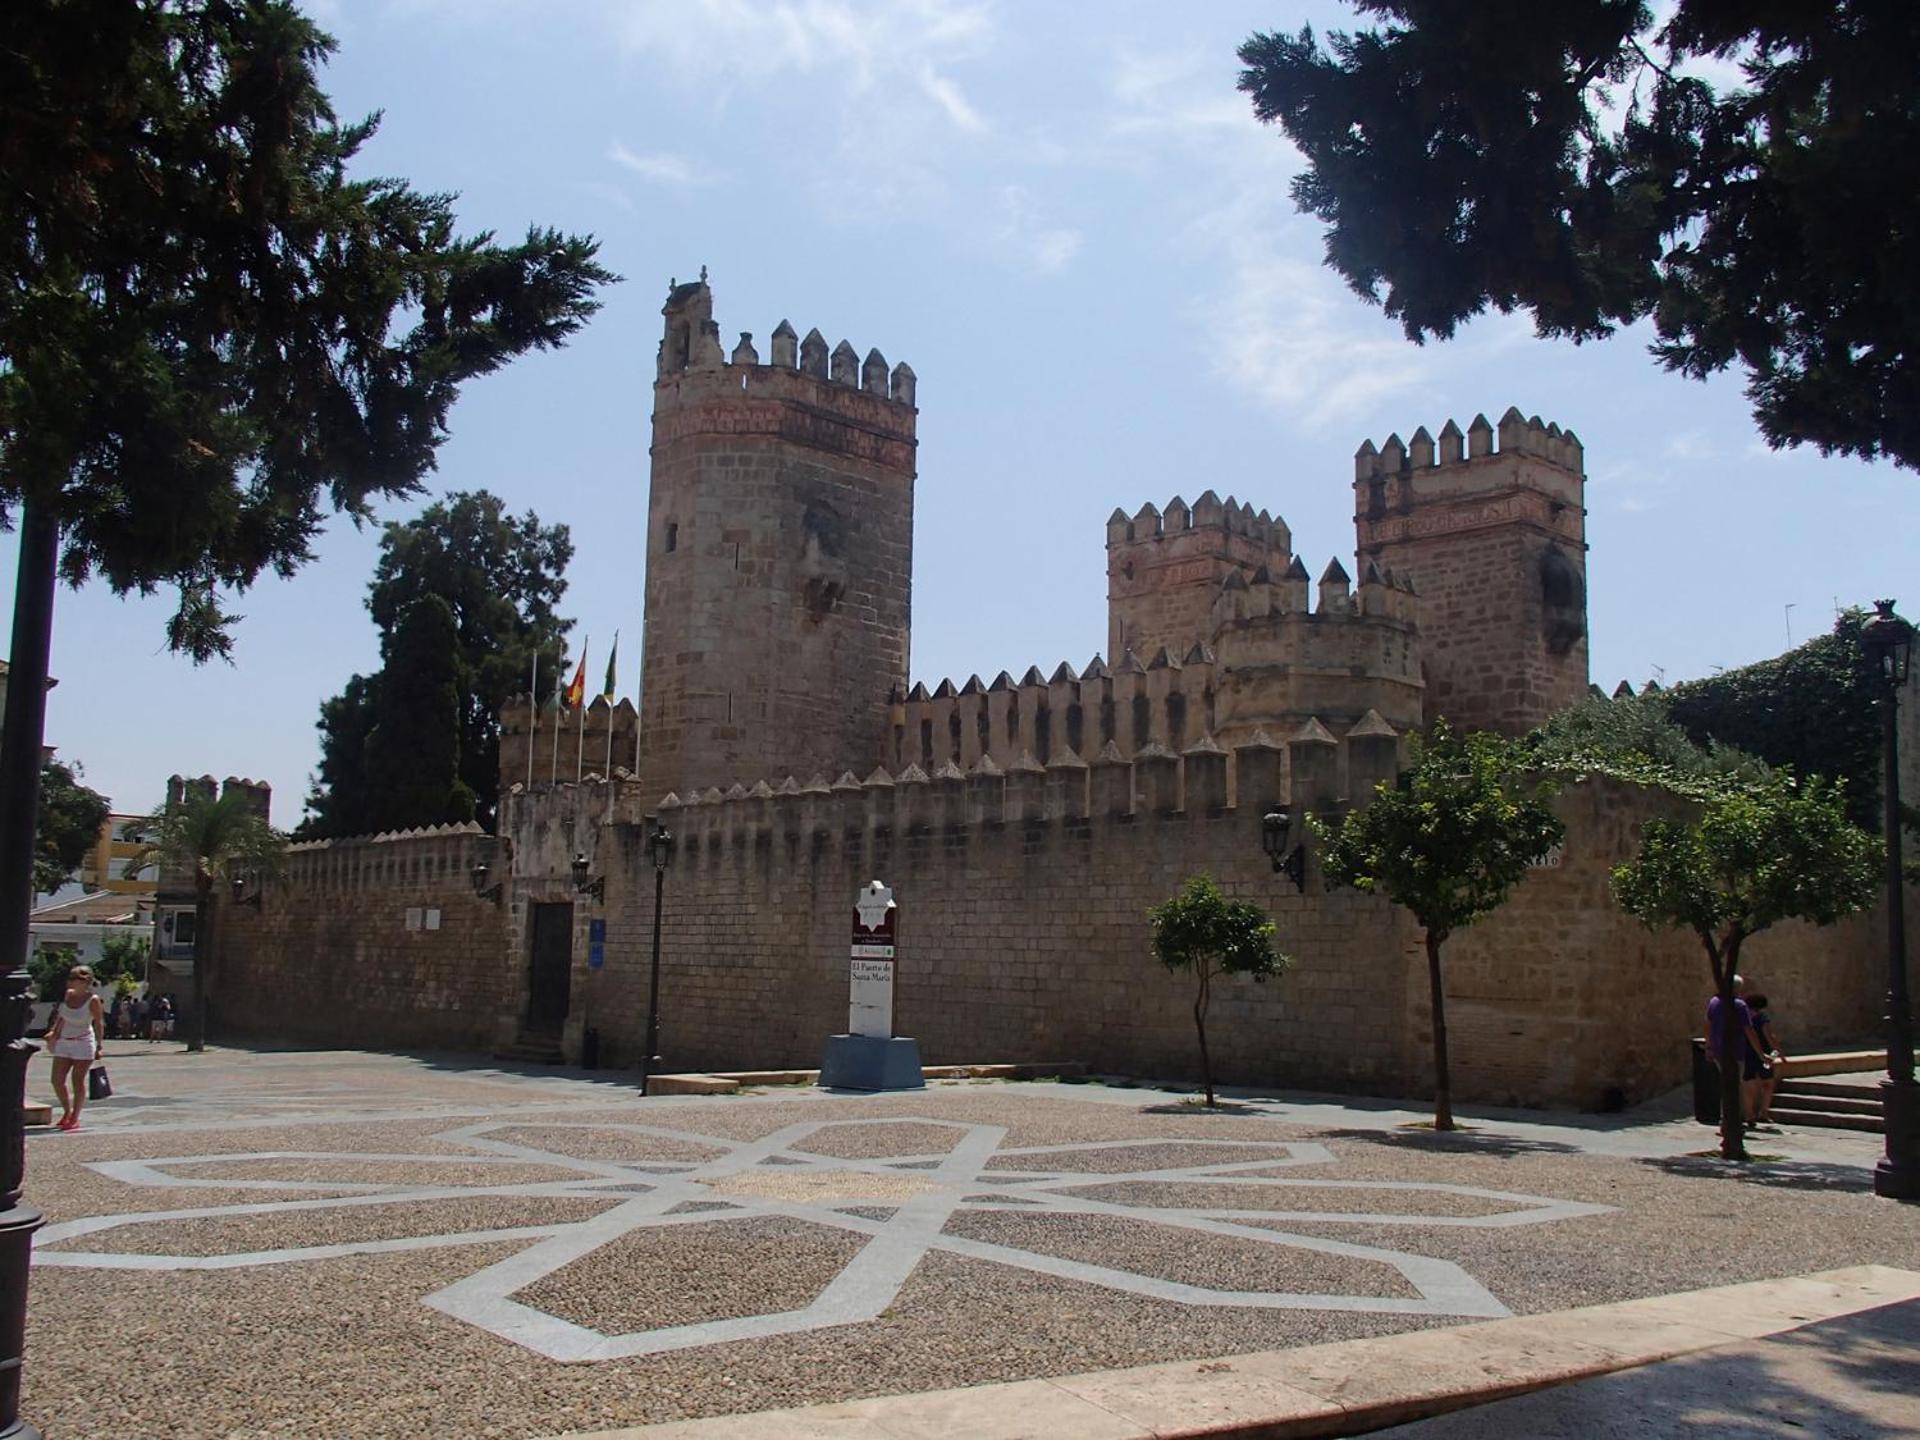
[[1494, 540], [779, 553], [1165, 568]]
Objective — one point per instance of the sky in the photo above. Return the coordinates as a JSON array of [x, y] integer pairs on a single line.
[[1066, 219]]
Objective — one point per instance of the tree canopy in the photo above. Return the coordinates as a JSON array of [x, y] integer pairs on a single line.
[[500, 578], [413, 750], [210, 332], [1202, 932], [1584, 164], [215, 838], [1448, 841], [1754, 855], [68, 827]]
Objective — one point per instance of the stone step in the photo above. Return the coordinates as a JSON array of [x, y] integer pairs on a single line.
[[1827, 1104], [1830, 1090], [1822, 1120], [1837, 1062], [532, 1052]]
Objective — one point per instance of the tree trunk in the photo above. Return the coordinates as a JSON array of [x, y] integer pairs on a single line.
[[23, 728], [1733, 1049], [1442, 1079], [202, 958], [1200, 1024]]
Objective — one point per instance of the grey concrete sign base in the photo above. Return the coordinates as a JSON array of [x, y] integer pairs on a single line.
[[872, 1062]]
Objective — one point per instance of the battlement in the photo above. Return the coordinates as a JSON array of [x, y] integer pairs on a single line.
[[560, 745], [1307, 770], [1165, 567], [692, 365], [436, 856]]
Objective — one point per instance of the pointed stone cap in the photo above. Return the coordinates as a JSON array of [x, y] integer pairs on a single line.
[[973, 686], [1371, 724], [1162, 660], [944, 691], [668, 801], [1002, 681], [711, 795], [1312, 733], [947, 770], [1067, 759], [985, 769], [760, 791], [818, 785], [1153, 750], [1096, 669], [918, 692], [1296, 570], [1033, 676], [1235, 581], [1335, 571], [878, 777], [1200, 654], [735, 791], [1259, 740], [847, 781], [786, 330], [1205, 745], [1109, 754], [912, 775], [788, 786], [1119, 516], [1063, 673], [1026, 765], [1130, 664]]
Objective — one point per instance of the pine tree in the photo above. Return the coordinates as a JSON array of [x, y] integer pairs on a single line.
[[412, 760]]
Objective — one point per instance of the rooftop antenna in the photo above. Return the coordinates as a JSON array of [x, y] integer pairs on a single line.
[[1789, 627], [1659, 674]]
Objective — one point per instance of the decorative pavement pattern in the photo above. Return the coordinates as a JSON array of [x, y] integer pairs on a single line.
[[901, 1203]]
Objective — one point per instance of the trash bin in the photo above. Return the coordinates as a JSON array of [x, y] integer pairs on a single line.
[[590, 1050], [1706, 1085]]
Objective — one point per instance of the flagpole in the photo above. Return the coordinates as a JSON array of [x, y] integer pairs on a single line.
[[580, 746], [612, 686], [559, 724], [533, 705]]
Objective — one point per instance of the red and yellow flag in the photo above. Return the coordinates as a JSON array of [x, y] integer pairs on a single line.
[[577, 687]]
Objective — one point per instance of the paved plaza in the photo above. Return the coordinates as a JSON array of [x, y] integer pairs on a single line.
[[296, 1243]]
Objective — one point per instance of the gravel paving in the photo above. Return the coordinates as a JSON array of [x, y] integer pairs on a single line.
[[598, 1143], [356, 1224], [1218, 1262], [1198, 1195], [684, 1274], [381, 1172], [347, 1346]]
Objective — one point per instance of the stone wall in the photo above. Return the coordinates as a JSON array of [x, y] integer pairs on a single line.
[[369, 943], [564, 746], [1024, 936]]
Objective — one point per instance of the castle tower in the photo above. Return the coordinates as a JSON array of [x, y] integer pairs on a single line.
[[779, 554], [1494, 541], [1164, 571]]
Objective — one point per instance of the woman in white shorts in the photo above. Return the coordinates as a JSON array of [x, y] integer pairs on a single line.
[[74, 1038]]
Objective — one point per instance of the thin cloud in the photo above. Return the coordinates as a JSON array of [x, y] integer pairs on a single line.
[[660, 167]]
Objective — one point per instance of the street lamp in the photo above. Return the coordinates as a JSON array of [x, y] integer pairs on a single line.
[[1888, 641], [1275, 826], [660, 847], [585, 881]]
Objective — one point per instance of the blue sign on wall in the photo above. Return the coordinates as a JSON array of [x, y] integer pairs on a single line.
[[596, 944]]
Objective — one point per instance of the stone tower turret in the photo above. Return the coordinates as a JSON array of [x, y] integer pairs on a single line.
[[779, 554], [1494, 541], [1164, 570]]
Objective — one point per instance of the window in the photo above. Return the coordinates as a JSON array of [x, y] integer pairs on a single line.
[[673, 536]]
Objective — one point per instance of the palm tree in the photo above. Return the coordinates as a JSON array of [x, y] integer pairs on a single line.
[[216, 839]]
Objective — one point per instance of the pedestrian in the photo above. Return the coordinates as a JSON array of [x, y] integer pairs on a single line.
[[75, 1039], [163, 1018], [117, 1018], [137, 1018], [1737, 1045], [1771, 1058]]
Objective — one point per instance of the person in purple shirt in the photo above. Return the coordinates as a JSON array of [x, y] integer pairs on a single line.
[[1742, 1047]]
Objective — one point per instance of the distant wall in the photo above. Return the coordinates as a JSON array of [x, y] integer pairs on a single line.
[[369, 942]]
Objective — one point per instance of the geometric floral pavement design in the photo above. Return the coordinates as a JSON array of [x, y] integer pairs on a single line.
[[901, 1203]]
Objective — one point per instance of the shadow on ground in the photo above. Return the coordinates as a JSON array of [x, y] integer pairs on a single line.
[[1773, 1174]]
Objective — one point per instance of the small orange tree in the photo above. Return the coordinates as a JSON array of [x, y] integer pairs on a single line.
[[1201, 930]]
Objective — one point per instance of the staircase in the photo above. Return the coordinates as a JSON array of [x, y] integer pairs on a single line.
[[533, 1047], [1832, 1092]]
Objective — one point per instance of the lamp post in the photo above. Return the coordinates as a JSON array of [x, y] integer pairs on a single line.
[[1888, 640], [1275, 827], [660, 847]]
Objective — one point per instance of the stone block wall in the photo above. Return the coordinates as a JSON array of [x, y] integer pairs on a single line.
[[368, 943]]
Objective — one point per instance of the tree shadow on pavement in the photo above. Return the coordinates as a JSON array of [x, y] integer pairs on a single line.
[[1812, 1175], [1458, 1142]]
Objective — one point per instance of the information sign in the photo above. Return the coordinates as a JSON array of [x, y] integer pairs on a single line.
[[871, 959]]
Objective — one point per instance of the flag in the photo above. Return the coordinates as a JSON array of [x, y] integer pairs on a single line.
[[577, 687], [613, 656]]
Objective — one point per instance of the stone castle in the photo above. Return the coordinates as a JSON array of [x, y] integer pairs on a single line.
[[1026, 824]]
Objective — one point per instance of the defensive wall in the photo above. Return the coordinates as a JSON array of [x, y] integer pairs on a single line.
[[370, 942], [565, 746], [1024, 896]]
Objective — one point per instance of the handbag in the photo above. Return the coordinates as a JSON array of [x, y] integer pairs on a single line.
[[99, 1087]]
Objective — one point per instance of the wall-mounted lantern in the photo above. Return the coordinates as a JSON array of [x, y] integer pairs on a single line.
[[1276, 827], [585, 881]]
